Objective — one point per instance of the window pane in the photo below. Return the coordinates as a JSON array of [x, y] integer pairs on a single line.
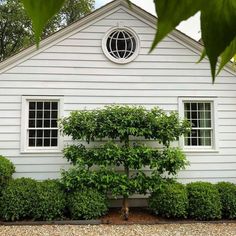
[[39, 114], [207, 133], [31, 123], [207, 141], [207, 106], [54, 142], [194, 106], [46, 105], [201, 115], [46, 123], [39, 133], [186, 106], [188, 115], [31, 142], [208, 123], [54, 123], [39, 105], [194, 115], [54, 105], [47, 133], [54, 114], [54, 133], [47, 114], [194, 123], [47, 142], [32, 133], [39, 123], [39, 142], [31, 114], [32, 105], [207, 115]]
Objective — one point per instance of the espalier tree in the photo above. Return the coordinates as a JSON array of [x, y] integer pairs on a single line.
[[116, 166]]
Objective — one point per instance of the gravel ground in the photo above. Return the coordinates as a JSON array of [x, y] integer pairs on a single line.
[[119, 230]]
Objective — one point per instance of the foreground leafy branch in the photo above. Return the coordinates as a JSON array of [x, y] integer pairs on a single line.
[[218, 25]]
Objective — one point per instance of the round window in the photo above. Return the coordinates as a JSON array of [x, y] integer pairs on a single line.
[[121, 45]]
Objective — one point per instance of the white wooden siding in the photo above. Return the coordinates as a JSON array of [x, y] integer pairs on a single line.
[[77, 69]]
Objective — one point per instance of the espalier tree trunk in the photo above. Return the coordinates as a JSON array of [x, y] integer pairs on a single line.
[[125, 204], [118, 127]]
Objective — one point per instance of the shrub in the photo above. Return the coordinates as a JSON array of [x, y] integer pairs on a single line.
[[204, 201], [51, 201], [6, 171], [171, 200], [228, 199], [86, 204], [18, 199]]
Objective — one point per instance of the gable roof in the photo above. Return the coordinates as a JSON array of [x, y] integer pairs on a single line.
[[132, 8]]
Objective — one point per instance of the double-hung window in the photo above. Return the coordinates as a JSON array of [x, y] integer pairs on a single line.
[[202, 116], [40, 124]]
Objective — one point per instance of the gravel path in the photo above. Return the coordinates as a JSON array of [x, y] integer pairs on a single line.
[[119, 230]]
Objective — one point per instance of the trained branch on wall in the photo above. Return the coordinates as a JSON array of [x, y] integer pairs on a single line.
[[120, 162]]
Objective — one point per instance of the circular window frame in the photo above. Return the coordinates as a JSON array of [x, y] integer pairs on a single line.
[[120, 60]]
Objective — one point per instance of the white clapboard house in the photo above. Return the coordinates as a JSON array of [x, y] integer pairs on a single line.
[[104, 59]]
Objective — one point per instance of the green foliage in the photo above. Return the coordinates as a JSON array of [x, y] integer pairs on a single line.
[[18, 199], [41, 12], [105, 180], [95, 167], [6, 171], [216, 39], [169, 160], [123, 121], [204, 201], [16, 27], [165, 128], [86, 204], [80, 125], [51, 201], [228, 199], [73, 10], [171, 200]]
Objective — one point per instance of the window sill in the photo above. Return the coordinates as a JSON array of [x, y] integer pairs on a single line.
[[42, 151], [201, 150]]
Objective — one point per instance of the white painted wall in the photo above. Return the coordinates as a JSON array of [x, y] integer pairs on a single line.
[[77, 69]]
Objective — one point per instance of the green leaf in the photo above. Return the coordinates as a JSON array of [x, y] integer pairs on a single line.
[[228, 54], [40, 11], [170, 13], [218, 28], [202, 56]]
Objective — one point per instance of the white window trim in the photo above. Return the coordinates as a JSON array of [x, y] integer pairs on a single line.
[[121, 60], [24, 125], [214, 101]]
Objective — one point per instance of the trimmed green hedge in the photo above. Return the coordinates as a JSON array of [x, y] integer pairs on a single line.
[[86, 204], [18, 199], [6, 171], [228, 199], [51, 201], [204, 201], [170, 201]]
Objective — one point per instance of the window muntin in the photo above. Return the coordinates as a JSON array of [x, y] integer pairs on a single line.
[[42, 128], [121, 45], [200, 116]]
